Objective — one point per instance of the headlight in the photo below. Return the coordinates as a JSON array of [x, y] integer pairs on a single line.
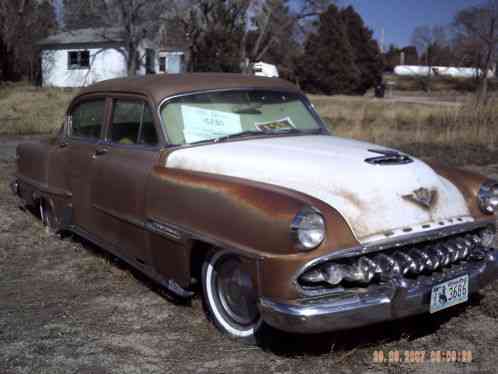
[[488, 197], [308, 229]]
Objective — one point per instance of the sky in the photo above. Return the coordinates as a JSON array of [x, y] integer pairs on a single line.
[[400, 17]]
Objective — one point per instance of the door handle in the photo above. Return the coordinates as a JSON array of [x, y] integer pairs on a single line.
[[100, 152]]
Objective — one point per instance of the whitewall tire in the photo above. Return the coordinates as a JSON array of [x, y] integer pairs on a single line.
[[230, 296]]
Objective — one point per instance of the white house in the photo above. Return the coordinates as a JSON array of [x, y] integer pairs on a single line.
[[79, 58]]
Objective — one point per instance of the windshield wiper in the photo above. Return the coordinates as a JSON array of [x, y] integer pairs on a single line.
[[240, 135], [257, 133]]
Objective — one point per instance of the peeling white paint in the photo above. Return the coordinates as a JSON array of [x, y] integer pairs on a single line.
[[369, 197]]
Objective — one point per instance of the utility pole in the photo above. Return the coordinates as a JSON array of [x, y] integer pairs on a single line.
[[59, 13], [382, 36]]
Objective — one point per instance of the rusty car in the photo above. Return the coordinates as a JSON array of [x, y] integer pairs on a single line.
[[233, 186]]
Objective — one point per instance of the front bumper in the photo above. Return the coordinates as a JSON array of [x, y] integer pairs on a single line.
[[401, 297]]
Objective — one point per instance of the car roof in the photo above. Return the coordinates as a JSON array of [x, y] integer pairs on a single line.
[[161, 86]]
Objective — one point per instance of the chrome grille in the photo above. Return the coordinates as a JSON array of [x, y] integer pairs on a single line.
[[423, 259]]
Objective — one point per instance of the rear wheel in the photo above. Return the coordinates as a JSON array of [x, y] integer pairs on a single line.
[[230, 296], [47, 217]]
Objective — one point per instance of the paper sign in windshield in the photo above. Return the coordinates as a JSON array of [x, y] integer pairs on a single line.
[[275, 126], [204, 124]]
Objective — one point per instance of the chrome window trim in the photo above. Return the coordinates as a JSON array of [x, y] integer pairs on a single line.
[[133, 147], [322, 126]]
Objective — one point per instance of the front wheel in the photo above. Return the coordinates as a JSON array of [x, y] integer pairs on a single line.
[[230, 296]]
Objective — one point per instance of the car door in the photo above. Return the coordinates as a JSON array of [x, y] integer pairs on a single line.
[[85, 127], [123, 166]]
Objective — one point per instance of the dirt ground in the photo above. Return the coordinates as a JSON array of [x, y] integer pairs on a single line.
[[66, 307]]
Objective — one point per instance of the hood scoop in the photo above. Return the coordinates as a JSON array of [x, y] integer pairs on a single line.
[[389, 157]]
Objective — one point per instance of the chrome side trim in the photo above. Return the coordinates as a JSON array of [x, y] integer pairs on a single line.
[[119, 216], [409, 239], [187, 234], [164, 230]]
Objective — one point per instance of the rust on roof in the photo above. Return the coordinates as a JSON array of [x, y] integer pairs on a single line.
[[158, 87]]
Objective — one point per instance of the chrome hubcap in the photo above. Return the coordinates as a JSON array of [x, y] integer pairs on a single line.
[[235, 292]]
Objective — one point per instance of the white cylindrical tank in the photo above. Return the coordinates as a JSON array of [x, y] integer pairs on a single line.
[[420, 71]]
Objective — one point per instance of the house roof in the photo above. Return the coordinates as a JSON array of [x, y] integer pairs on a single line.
[[158, 87], [85, 36]]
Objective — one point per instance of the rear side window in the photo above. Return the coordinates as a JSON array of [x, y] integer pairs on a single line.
[[132, 123], [87, 119]]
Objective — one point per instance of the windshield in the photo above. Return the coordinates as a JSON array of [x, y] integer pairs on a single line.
[[226, 114]]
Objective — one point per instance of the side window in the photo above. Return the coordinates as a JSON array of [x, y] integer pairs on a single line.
[[126, 117], [132, 123], [87, 119]]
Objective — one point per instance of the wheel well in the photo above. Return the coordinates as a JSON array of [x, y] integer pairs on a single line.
[[198, 255]]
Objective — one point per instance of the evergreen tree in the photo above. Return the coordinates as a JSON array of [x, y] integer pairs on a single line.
[[328, 64], [341, 57], [367, 55]]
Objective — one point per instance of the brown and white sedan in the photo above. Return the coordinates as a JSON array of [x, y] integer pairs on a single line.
[[235, 182]]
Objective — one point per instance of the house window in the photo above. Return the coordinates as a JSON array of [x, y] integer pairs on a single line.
[[149, 61], [78, 59], [162, 64], [172, 62]]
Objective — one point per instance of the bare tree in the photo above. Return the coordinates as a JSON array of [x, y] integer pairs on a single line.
[[429, 42], [432, 45], [212, 29], [22, 24], [133, 21], [256, 26], [273, 23], [477, 28]]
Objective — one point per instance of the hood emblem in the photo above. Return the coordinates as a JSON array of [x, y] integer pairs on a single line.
[[423, 197], [388, 157]]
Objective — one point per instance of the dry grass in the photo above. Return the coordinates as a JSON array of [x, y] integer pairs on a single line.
[[460, 133], [456, 130], [25, 109], [441, 84]]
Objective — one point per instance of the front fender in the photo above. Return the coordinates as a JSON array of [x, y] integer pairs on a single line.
[[467, 182], [250, 218], [236, 213]]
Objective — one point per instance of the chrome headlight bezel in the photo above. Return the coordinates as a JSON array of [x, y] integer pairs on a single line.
[[308, 229], [488, 197]]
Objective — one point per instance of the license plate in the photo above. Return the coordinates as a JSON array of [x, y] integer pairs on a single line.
[[447, 294]]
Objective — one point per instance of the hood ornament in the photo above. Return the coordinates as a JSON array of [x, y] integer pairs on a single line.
[[423, 197], [389, 157]]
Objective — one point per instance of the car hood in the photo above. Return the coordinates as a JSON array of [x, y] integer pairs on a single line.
[[371, 198]]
